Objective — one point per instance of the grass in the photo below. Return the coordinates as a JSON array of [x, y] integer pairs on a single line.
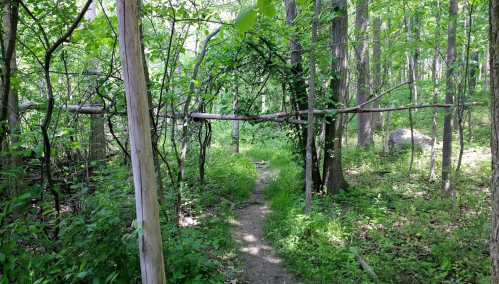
[[396, 219]]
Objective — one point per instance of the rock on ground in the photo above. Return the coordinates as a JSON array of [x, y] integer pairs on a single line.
[[402, 136]]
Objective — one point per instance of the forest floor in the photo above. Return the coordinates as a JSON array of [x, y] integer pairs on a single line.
[[261, 265]]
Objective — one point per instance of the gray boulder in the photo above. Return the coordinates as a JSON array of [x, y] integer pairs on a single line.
[[401, 137]]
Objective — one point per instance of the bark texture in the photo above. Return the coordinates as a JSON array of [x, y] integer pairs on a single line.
[[494, 84], [434, 75], [150, 246], [364, 131], [449, 99], [334, 179], [299, 87], [376, 117], [13, 115]]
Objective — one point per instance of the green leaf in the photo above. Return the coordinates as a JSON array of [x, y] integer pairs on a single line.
[[25, 196], [266, 8], [96, 280], [246, 20], [2, 258]]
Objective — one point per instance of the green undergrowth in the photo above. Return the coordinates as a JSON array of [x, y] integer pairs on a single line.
[[397, 220], [97, 241]]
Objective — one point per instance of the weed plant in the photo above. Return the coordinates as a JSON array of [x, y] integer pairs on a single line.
[[397, 220]]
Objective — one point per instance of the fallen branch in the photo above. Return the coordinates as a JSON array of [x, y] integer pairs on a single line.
[[366, 267], [277, 117]]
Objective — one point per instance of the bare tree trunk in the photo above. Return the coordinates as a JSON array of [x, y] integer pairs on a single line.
[[150, 245], [185, 122], [97, 151], [435, 96], [300, 89], [474, 67], [486, 73], [334, 179], [8, 53], [154, 132], [235, 123], [494, 84], [13, 114], [376, 117], [388, 67], [364, 131], [449, 99], [310, 119]]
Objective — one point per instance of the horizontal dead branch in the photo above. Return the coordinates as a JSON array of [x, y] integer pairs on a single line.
[[277, 117]]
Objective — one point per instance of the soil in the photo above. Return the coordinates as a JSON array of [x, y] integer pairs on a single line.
[[261, 265]]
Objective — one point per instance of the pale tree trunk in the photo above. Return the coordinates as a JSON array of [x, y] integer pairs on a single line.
[[486, 73], [299, 87], [494, 84], [97, 151], [334, 179], [435, 96], [376, 117], [310, 119], [449, 99], [185, 123], [13, 114], [154, 132], [474, 67], [8, 53], [412, 87], [364, 131], [388, 67], [150, 246], [235, 123]]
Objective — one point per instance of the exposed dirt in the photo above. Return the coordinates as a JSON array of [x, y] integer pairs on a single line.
[[261, 265]]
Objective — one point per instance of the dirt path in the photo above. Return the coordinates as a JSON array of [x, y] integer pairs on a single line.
[[261, 264]]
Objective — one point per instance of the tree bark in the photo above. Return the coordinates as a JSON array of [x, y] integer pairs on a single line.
[[235, 123], [310, 121], [486, 73], [474, 67], [376, 117], [154, 132], [7, 54], [334, 179], [150, 245], [97, 140], [13, 100], [494, 84], [300, 88], [435, 96], [364, 131], [449, 99]]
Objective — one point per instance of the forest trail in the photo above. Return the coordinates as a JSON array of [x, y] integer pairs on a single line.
[[262, 266]]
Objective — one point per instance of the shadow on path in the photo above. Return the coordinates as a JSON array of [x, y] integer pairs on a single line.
[[261, 264]]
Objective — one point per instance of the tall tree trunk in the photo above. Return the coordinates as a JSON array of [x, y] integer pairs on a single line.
[[376, 116], [364, 131], [154, 131], [310, 118], [473, 69], [435, 96], [494, 84], [8, 54], [235, 123], [332, 169], [486, 73], [449, 99], [300, 88], [97, 151], [388, 73], [13, 114], [150, 245]]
